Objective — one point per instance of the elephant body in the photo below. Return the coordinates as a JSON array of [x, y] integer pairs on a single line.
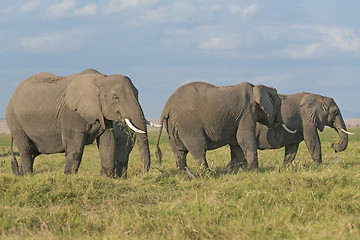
[[200, 117], [51, 114], [307, 113]]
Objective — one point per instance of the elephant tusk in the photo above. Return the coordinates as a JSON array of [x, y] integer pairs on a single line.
[[153, 124], [132, 126], [288, 130], [350, 133]]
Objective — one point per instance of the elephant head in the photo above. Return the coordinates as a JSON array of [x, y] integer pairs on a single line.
[[323, 111], [269, 107], [97, 97]]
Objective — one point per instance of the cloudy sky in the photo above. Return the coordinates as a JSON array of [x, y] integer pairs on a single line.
[[292, 45]]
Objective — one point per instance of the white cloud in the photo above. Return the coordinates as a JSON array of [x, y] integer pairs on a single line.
[[88, 9], [174, 12], [42, 43], [220, 43], [299, 51], [55, 43], [235, 8], [29, 6], [68, 8], [249, 10], [245, 12], [340, 37], [116, 6], [61, 9], [321, 40]]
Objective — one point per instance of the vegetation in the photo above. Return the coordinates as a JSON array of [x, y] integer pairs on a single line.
[[303, 201]]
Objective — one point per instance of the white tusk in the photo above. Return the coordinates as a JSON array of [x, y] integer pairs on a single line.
[[288, 130], [153, 124], [132, 126], [350, 133]]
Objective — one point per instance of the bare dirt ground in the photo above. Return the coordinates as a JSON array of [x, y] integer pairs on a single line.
[[350, 122]]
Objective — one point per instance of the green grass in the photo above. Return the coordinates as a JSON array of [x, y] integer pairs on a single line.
[[303, 201]]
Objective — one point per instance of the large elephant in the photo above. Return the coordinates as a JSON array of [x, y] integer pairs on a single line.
[[51, 114], [307, 113], [200, 117]]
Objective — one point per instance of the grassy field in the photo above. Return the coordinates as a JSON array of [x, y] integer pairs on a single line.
[[304, 201]]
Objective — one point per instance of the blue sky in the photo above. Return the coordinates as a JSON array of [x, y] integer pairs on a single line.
[[292, 45]]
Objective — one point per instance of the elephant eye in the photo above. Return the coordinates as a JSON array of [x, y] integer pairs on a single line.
[[115, 98]]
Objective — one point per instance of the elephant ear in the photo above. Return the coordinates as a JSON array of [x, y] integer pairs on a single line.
[[314, 109], [82, 96], [262, 95]]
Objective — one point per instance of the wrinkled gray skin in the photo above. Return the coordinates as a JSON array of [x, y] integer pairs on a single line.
[[50, 114], [200, 117], [307, 113], [124, 143]]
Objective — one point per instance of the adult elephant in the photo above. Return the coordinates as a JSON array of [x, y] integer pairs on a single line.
[[307, 113], [200, 117], [51, 114]]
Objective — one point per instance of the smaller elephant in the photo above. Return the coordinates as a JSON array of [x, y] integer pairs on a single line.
[[307, 113], [199, 117]]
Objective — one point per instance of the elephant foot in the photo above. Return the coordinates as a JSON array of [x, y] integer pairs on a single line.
[[253, 165], [121, 170], [107, 172], [235, 165]]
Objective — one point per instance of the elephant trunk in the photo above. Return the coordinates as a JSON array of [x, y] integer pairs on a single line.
[[139, 121], [278, 119], [342, 142]]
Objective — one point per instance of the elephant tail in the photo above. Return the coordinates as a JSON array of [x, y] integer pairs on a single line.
[[14, 163], [158, 153]]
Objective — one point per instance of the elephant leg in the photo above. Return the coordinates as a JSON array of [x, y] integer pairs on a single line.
[[197, 149], [312, 141], [290, 153], [180, 155], [121, 163], [183, 141], [124, 168], [237, 157], [73, 155], [247, 141], [27, 151], [106, 146], [200, 157]]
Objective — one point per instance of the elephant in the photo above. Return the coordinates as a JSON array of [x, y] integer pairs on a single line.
[[308, 113], [200, 116], [51, 114]]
